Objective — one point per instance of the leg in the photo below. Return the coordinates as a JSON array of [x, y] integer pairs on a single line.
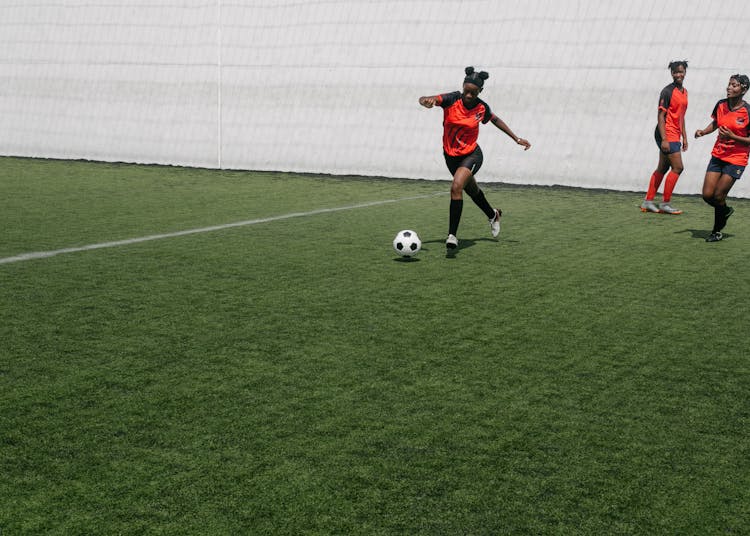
[[723, 185], [721, 209], [657, 176], [648, 204], [462, 168], [460, 178], [675, 162], [716, 187], [477, 195], [710, 182]]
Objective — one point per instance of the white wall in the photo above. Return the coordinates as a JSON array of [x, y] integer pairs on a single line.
[[331, 86]]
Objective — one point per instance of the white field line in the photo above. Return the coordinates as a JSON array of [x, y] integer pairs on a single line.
[[116, 243]]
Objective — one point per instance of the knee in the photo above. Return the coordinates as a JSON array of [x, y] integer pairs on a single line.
[[710, 199], [456, 191], [677, 169]]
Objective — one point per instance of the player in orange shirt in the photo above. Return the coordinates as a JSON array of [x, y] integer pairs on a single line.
[[731, 116], [463, 111], [670, 129]]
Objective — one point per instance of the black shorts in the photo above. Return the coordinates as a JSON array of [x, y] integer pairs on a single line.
[[674, 146], [473, 161], [716, 165]]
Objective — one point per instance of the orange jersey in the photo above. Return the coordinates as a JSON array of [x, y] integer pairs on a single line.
[[460, 124], [674, 102], [738, 121]]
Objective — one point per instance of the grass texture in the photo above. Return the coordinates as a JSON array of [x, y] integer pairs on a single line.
[[587, 373]]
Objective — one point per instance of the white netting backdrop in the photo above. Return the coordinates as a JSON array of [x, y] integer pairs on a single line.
[[331, 86]]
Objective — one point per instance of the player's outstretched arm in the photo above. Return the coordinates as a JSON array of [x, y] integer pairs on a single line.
[[428, 102], [499, 123]]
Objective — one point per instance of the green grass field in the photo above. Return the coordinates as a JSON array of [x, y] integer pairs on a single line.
[[587, 373]]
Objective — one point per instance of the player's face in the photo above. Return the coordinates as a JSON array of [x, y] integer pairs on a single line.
[[678, 75], [734, 89], [470, 94]]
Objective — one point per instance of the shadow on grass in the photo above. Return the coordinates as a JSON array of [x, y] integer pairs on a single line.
[[463, 243], [701, 234]]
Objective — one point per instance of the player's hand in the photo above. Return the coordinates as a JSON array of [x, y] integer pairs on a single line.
[[724, 131], [427, 102], [664, 146], [526, 145], [699, 133], [684, 145]]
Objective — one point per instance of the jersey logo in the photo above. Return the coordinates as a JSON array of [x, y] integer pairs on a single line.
[[740, 121], [478, 116]]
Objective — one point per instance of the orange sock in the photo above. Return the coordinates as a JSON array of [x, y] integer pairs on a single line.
[[669, 185], [653, 185]]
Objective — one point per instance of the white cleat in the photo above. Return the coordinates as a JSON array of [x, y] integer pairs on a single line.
[[666, 208], [495, 223], [649, 206], [451, 242]]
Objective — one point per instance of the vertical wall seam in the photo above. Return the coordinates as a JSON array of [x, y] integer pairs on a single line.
[[219, 82]]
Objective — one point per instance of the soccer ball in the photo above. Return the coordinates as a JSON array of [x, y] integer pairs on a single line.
[[407, 243]]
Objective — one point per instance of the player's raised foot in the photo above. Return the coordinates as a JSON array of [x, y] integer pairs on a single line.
[[451, 242], [495, 222], [728, 211], [715, 237], [649, 206], [666, 208]]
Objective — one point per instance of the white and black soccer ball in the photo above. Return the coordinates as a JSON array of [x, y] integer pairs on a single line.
[[407, 243]]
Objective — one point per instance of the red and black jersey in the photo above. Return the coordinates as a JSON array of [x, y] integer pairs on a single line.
[[738, 121], [674, 101], [460, 124]]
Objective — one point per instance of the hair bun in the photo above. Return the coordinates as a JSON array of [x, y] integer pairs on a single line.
[[469, 70], [484, 75], [743, 80]]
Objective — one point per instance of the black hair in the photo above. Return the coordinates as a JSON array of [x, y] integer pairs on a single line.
[[677, 63], [742, 79], [476, 78]]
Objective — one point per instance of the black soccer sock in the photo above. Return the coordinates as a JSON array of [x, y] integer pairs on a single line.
[[726, 211], [710, 201], [483, 204], [457, 206], [719, 218]]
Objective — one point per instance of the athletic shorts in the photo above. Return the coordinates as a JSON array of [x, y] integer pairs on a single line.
[[473, 161], [716, 165], [674, 146]]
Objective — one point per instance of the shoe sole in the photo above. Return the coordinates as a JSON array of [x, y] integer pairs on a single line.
[[451, 246]]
